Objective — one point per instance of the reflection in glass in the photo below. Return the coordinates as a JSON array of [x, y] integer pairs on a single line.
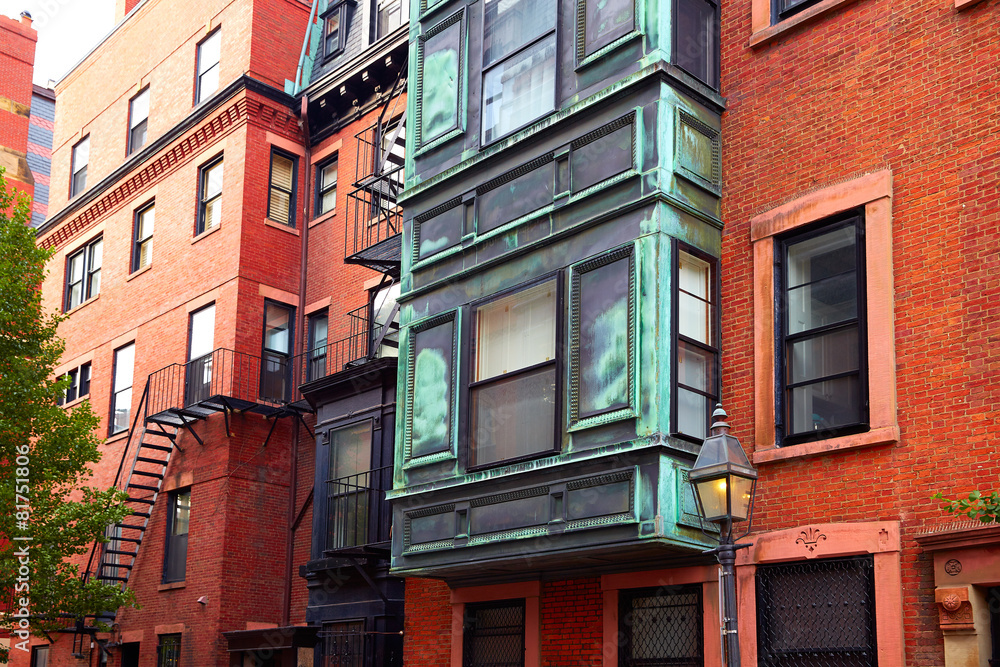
[[519, 90]]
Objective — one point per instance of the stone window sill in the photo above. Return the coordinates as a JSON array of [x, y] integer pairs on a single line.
[[205, 233], [886, 435], [138, 272], [171, 586], [282, 226], [767, 33]]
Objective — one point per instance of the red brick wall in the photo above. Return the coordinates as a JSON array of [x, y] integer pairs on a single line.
[[427, 632], [17, 58], [572, 613], [878, 84]]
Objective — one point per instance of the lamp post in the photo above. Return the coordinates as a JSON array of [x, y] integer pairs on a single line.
[[724, 484]]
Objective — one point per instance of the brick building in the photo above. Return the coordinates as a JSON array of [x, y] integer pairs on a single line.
[[27, 112], [844, 249], [200, 240]]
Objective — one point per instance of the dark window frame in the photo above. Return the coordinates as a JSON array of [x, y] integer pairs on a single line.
[[783, 9], [320, 190], [202, 202], [625, 598], [271, 187], [38, 650], [993, 607], [195, 390], [114, 394], [87, 274], [484, 69], [314, 359], [765, 613], [168, 650], [676, 337], [468, 342], [79, 388], [469, 637], [783, 339], [130, 145], [75, 170], [344, 10], [717, 34], [175, 549], [137, 243], [264, 350], [371, 418], [198, 73]]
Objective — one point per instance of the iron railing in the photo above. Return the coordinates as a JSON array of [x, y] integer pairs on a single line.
[[661, 626], [494, 635], [348, 645], [357, 512], [372, 213], [353, 350], [236, 375]]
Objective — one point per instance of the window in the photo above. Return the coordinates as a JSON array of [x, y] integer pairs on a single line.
[[696, 39], [138, 120], [78, 169], [383, 302], [281, 196], [318, 332], [389, 17], [142, 235], [868, 199], [336, 22], [39, 656], [121, 388], [209, 196], [823, 379], [79, 384], [326, 187], [696, 323], [519, 65], [348, 486], [513, 390], [493, 634], [175, 554], [819, 612], [661, 626], [201, 345], [168, 651], [83, 273], [275, 378], [208, 66], [782, 9]]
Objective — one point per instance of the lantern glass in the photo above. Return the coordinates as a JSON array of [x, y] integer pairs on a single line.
[[741, 496], [713, 497]]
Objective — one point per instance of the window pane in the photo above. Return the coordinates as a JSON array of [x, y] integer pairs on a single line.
[[76, 267], [81, 155], [389, 17], [694, 311], [604, 337], [209, 83], [692, 413], [513, 417], [212, 181], [823, 256], [146, 222], [821, 303], [821, 356], [281, 204], [182, 513], [510, 24], [124, 363], [202, 333], [697, 39], [494, 635], [84, 380], [695, 367], [209, 52], [433, 353], [825, 405], [122, 410], [519, 90], [282, 172], [516, 331], [350, 450], [96, 254], [276, 329], [137, 137], [606, 21], [139, 109], [213, 213], [661, 626]]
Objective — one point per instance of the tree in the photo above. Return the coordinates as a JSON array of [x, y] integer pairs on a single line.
[[50, 515], [982, 507]]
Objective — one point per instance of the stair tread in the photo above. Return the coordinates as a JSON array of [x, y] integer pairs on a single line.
[[143, 487], [146, 501], [161, 448]]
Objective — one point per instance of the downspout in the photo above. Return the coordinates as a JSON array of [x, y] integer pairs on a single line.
[[302, 54], [299, 348]]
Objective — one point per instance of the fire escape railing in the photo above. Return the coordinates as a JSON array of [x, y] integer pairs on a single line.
[[357, 512], [364, 343]]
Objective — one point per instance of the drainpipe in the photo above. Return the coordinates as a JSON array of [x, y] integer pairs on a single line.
[[298, 350], [302, 54]]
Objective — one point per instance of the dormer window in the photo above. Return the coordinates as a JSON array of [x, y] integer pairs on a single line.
[[336, 22]]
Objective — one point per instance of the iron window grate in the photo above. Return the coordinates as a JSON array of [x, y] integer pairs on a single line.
[[494, 635], [819, 613], [661, 626]]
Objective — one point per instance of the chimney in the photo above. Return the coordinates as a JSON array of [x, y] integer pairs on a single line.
[[26, 19], [122, 8]]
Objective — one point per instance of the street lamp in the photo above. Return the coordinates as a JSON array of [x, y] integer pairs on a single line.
[[724, 483]]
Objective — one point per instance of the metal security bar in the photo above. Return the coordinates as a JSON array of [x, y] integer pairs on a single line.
[[817, 614], [344, 645], [661, 626], [494, 635]]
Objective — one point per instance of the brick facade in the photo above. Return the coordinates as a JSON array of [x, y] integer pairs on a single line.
[[17, 62]]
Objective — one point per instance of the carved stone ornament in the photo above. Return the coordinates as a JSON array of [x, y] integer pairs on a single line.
[[953, 567], [810, 538], [954, 609]]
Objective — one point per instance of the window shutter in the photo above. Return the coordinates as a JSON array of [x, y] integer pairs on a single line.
[[282, 173]]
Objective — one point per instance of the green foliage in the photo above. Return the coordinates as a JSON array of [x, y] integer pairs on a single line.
[[985, 508], [46, 452]]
